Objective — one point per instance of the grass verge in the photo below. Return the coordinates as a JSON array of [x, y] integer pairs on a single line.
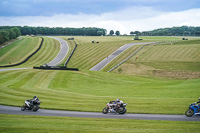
[[19, 123], [90, 91]]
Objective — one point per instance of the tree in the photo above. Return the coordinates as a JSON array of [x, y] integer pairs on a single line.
[[132, 33], [5, 36], [111, 32], [136, 32], [99, 33], [117, 33], [12, 34], [17, 31]]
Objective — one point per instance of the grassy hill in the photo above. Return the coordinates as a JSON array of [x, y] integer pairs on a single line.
[[89, 54], [90, 91], [179, 60], [81, 91], [47, 53], [18, 51]]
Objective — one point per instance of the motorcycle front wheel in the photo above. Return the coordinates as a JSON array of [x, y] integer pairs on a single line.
[[35, 108], [189, 112], [23, 108], [105, 111], [123, 111]]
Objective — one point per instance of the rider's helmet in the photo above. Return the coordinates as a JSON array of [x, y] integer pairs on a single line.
[[117, 100], [34, 97]]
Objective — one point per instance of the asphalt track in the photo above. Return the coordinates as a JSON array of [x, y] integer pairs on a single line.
[[61, 55], [1, 70], [111, 57], [44, 112]]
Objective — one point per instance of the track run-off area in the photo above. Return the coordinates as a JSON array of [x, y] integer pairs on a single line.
[[44, 112]]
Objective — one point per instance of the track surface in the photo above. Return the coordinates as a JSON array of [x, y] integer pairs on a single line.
[[1, 70], [111, 57], [63, 52], [44, 112]]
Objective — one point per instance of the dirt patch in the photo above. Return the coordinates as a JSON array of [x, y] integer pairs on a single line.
[[134, 69], [176, 74], [142, 70]]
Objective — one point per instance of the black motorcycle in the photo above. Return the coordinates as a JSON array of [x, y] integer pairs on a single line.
[[119, 108], [31, 105]]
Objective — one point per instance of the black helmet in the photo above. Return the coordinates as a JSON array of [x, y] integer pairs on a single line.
[[34, 97]]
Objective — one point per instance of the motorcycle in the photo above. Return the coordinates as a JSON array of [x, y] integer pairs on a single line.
[[31, 105], [120, 108], [194, 108]]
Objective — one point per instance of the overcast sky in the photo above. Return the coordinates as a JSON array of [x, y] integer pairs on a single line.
[[122, 15]]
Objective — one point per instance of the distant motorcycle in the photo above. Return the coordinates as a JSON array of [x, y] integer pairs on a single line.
[[194, 108], [32, 104], [118, 108]]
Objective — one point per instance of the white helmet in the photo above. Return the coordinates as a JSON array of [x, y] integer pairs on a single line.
[[117, 100]]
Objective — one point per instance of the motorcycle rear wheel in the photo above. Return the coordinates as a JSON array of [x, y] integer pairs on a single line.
[[23, 108], [105, 111], [189, 112]]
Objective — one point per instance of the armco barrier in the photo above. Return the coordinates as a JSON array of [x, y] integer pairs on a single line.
[[27, 57], [70, 55], [55, 68], [137, 52]]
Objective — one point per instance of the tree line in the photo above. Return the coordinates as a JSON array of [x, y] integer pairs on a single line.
[[174, 31], [90, 31], [7, 34]]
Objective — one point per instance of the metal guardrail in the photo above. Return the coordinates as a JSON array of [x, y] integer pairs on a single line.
[[70, 55], [137, 52]]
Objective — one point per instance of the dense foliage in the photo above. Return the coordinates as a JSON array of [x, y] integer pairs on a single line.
[[174, 31], [27, 30], [8, 33]]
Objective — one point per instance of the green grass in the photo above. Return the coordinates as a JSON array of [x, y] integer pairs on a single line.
[[74, 89], [19, 50], [19, 123], [179, 56], [90, 91], [46, 54], [89, 54], [179, 60]]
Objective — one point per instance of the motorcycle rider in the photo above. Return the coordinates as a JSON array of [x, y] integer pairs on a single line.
[[32, 101], [199, 100], [115, 103], [198, 104]]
